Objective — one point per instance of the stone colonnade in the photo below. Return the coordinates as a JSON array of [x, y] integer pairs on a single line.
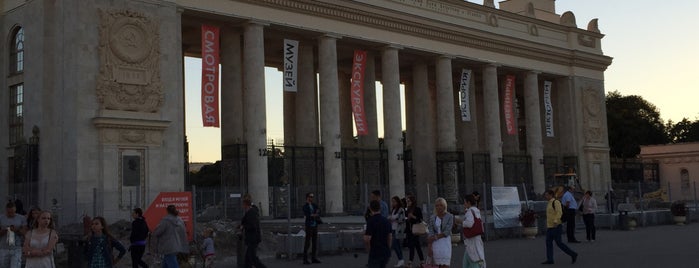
[[430, 113]]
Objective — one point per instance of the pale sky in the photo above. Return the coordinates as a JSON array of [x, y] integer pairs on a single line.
[[655, 46]]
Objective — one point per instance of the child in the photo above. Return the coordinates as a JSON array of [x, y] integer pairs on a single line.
[[100, 244], [207, 246]]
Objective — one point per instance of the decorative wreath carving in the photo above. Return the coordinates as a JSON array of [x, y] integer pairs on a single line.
[[129, 74]]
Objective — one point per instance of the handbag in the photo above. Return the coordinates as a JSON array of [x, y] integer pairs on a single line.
[[419, 228], [476, 229]]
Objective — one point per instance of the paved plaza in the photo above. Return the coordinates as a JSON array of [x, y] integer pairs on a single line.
[[656, 246]]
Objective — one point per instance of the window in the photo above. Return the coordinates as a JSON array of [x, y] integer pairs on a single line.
[[16, 113], [17, 51]]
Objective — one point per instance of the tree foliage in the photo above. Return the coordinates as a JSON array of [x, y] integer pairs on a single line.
[[632, 121], [683, 131]]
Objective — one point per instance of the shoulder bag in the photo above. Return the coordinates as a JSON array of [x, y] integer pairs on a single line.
[[476, 229], [419, 228]]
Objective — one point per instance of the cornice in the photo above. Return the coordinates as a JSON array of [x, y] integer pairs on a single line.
[[468, 37]]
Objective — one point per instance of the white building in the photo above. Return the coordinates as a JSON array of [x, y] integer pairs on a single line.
[[102, 83]]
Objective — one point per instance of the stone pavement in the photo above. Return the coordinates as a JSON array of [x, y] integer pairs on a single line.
[[656, 246]]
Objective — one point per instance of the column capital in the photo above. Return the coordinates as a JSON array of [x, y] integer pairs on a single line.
[[255, 22], [492, 64], [392, 46], [446, 56], [534, 72], [330, 35]]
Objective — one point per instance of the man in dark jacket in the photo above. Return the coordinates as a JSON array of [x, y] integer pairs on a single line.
[[377, 237], [250, 223], [139, 234], [311, 211]]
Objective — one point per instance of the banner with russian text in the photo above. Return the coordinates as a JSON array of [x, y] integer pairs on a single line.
[[548, 107], [357, 92], [465, 97], [209, 75], [291, 55], [158, 209], [508, 105]]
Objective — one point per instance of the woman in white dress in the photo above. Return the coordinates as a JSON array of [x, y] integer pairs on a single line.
[[440, 233], [39, 243], [474, 255]]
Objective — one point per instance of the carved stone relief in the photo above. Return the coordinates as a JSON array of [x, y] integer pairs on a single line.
[[592, 115], [130, 131], [129, 74]]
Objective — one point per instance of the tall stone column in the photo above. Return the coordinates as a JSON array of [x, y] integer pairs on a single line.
[[306, 99], [446, 129], [231, 89], [255, 117], [424, 158], [390, 77], [330, 122], [371, 140], [534, 139], [491, 105], [289, 99], [346, 122]]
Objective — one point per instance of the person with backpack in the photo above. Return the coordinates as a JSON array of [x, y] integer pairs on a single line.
[[554, 210]]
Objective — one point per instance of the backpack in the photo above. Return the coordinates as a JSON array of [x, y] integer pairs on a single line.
[[563, 214]]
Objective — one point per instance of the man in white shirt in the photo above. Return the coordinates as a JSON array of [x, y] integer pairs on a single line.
[[570, 206], [11, 255]]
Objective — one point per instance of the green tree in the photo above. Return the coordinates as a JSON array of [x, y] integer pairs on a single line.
[[683, 131], [632, 121]]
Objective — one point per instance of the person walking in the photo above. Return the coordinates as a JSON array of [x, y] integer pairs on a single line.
[[100, 244], [397, 219], [588, 206], [377, 237], [208, 251], [554, 228], [12, 225], [312, 213], [250, 224], [376, 195], [571, 206], [474, 254], [139, 234], [40, 242], [413, 240], [439, 230], [171, 237]]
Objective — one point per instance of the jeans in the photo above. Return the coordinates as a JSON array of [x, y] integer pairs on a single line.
[[11, 258], [251, 258], [554, 234], [170, 261], [311, 238], [396, 246], [414, 245], [137, 255], [570, 225], [590, 229]]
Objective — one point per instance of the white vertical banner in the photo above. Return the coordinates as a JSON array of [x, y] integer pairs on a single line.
[[465, 97], [548, 119], [291, 55]]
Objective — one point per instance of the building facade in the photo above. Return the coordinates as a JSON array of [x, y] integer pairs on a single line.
[[96, 101]]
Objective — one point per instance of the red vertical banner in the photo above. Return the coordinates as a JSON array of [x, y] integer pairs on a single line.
[[158, 209], [209, 75], [508, 105], [357, 94]]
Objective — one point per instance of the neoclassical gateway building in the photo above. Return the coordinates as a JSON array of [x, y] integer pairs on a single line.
[[93, 99]]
